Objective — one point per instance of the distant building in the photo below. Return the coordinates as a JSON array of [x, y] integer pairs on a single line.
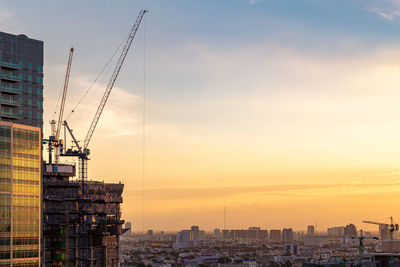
[[292, 249], [217, 234], [150, 233], [225, 234], [287, 235], [384, 232], [275, 236], [350, 230], [196, 232], [253, 232], [184, 239], [336, 231], [310, 230], [263, 235]]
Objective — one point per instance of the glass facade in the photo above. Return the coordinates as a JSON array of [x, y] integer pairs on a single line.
[[20, 162]]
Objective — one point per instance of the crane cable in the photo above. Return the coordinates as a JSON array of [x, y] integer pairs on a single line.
[[58, 103], [144, 123], [98, 76]]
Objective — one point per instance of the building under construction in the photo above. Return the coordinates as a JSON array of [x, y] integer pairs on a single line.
[[81, 223]]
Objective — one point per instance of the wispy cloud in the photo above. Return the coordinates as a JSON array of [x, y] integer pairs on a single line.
[[5, 15], [253, 2], [389, 10], [224, 192]]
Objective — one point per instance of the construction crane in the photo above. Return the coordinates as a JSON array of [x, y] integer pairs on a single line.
[[361, 249], [83, 152], [54, 140], [392, 228]]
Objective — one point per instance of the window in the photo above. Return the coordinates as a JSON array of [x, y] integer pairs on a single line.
[[29, 114], [39, 68], [30, 90], [39, 91], [30, 101], [39, 115], [39, 103], [30, 66], [29, 77], [39, 80]]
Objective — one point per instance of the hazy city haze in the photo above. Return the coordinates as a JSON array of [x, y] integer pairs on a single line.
[[284, 112]]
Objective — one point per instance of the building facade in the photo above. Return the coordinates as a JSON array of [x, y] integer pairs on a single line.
[[21, 79], [80, 231], [287, 235], [20, 212], [275, 236]]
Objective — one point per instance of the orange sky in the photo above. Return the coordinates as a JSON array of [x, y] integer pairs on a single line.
[[286, 119]]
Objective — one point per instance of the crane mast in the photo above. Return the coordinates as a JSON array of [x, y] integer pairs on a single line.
[[55, 139], [61, 113]]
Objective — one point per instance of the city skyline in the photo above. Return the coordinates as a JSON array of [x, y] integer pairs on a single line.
[[284, 112]]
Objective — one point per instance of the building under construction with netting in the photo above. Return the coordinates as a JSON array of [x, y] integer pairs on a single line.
[[81, 222]]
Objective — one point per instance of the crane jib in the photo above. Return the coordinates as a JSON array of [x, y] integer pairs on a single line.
[[114, 76]]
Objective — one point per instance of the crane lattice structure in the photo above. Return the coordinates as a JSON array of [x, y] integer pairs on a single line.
[[54, 141]]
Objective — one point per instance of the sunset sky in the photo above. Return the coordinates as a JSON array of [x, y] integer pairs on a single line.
[[285, 112]]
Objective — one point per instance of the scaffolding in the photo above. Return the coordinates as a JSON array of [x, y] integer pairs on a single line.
[[70, 239]]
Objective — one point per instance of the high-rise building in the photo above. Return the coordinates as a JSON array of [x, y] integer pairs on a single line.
[[21, 109], [310, 230], [384, 232], [350, 230], [217, 234], [80, 231], [287, 235], [336, 231], [275, 236], [21, 79], [184, 239], [20, 168], [225, 234], [196, 232]]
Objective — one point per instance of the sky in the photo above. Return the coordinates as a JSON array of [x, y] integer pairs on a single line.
[[284, 112]]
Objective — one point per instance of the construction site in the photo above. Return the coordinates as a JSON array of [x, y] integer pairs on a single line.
[[82, 221], [68, 241]]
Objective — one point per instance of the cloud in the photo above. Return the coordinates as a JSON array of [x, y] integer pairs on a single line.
[[253, 2], [281, 190], [389, 10], [5, 15]]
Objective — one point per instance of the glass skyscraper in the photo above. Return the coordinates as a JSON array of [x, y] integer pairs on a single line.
[[20, 163], [21, 112], [21, 79]]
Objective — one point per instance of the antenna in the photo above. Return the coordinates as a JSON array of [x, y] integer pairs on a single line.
[[224, 217]]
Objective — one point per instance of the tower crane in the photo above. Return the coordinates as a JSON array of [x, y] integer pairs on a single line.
[[392, 227], [54, 140], [83, 152]]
